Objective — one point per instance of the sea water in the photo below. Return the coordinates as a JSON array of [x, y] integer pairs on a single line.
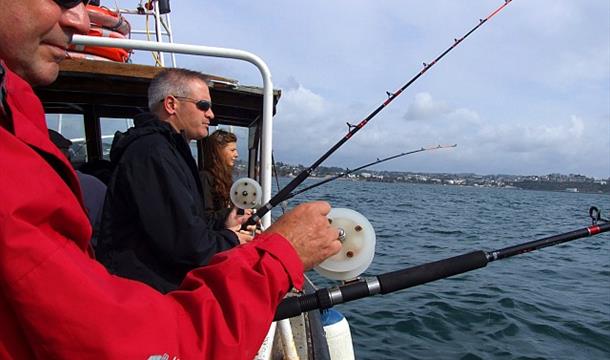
[[548, 304]]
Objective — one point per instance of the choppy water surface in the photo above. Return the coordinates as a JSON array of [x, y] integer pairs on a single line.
[[548, 304]]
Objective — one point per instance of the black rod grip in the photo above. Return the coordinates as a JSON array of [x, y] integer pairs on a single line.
[[321, 299], [296, 305], [354, 291], [425, 273]]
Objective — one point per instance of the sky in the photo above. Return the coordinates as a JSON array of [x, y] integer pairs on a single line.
[[528, 93]]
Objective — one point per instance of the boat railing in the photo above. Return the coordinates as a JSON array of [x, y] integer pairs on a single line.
[[175, 48]]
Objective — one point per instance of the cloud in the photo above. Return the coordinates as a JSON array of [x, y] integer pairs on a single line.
[[424, 108], [303, 103], [561, 137], [485, 144], [573, 68], [551, 17], [302, 125]]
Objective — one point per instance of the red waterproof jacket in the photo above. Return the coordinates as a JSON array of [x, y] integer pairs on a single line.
[[57, 302]]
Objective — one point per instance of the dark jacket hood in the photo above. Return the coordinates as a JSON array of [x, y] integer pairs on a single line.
[[146, 124]]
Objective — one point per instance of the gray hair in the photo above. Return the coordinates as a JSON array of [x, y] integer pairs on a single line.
[[172, 81]]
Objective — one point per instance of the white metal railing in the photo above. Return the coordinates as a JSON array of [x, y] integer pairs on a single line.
[[162, 28], [267, 130]]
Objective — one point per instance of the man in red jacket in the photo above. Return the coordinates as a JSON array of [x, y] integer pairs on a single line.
[[56, 301]]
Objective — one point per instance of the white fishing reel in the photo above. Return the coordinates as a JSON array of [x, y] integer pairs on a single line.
[[246, 193], [357, 246]]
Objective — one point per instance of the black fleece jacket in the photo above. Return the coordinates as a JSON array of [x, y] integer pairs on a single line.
[[154, 228]]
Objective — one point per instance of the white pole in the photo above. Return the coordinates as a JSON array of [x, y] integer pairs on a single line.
[[290, 349], [266, 349], [170, 35], [158, 34], [60, 121]]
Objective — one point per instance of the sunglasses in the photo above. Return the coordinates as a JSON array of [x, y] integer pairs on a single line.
[[203, 105], [68, 4]]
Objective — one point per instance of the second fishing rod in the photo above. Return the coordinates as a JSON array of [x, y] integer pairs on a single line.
[[353, 129]]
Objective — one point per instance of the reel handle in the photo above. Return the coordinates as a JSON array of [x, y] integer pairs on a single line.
[[357, 238]]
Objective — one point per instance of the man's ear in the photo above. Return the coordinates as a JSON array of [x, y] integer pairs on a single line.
[[169, 104]]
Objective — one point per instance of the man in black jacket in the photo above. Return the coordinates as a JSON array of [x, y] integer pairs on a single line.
[[153, 227]]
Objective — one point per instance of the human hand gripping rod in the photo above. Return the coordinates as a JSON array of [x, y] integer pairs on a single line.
[[283, 194], [422, 274]]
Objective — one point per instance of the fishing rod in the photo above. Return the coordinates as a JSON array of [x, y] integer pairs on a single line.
[[353, 129], [422, 274], [293, 194]]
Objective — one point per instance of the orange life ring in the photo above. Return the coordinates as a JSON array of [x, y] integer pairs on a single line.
[[116, 54], [104, 32], [80, 55], [104, 17]]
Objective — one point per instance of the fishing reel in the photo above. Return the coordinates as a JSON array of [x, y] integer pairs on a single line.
[[246, 193], [357, 238], [356, 234]]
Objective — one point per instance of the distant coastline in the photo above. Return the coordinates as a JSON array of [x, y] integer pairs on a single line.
[[552, 182]]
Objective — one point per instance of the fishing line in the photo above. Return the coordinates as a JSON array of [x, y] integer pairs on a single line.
[[293, 194], [353, 129]]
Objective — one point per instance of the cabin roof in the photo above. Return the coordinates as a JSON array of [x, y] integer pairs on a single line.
[[112, 89]]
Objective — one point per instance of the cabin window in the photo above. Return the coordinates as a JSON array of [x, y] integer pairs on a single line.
[[72, 127], [109, 126]]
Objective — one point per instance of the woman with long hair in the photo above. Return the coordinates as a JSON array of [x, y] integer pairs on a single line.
[[219, 155]]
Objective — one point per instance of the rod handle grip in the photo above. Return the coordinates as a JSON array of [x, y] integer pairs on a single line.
[[425, 273], [296, 305]]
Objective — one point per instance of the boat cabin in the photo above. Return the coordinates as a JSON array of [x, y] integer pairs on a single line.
[[91, 100]]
